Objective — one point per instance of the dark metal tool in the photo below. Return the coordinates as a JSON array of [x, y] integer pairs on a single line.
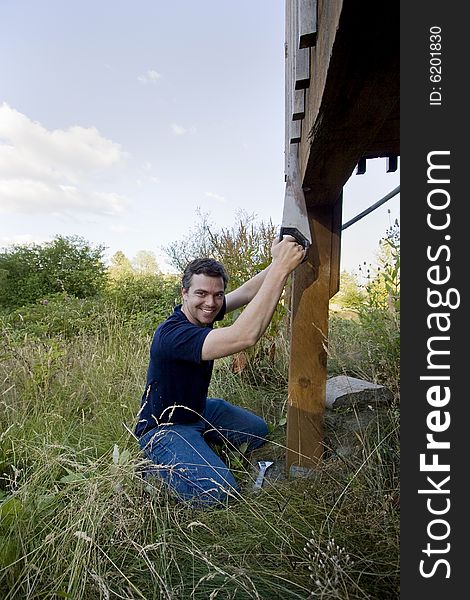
[[295, 217]]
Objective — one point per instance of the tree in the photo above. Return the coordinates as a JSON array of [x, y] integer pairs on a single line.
[[120, 266], [383, 284], [244, 250], [145, 263], [350, 294], [67, 264], [196, 244]]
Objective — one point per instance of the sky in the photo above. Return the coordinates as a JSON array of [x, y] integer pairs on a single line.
[[120, 120]]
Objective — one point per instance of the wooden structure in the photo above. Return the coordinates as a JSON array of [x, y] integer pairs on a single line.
[[342, 107]]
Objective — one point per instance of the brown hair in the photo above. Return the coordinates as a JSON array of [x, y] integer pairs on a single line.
[[204, 266]]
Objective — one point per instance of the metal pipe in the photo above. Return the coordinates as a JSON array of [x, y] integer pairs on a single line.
[[371, 208]]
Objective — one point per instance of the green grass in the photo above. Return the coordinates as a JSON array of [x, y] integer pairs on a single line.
[[78, 521]]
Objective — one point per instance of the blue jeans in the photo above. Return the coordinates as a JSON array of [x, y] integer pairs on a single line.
[[186, 462]]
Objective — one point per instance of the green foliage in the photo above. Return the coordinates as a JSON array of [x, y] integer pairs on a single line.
[[145, 263], [383, 285], [369, 347], [144, 297], [67, 264], [142, 301], [244, 250], [139, 291], [78, 521], [120, 266], [60, 315], [196, 244], [350, 294]]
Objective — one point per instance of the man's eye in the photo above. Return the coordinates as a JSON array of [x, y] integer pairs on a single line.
[[198, 293], [221, 295]]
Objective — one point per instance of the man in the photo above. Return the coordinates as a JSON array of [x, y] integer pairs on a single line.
[[177, 421]]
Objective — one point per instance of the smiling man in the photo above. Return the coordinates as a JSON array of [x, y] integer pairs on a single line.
[[177, 422]]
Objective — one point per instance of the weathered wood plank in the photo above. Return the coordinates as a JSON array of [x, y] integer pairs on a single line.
[[335, 261], [298, 105], [295, 129], [288, 81], [307, 23], [302, 68]]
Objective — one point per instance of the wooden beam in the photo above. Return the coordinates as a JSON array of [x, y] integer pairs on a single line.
[[350, 97], [298, 105], [361, 166], [302, 68], [288, 81], [387, 139], [392, 163], [335, 260], [295, 134], [307, 23], [311, 284]]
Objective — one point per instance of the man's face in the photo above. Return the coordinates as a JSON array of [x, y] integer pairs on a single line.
[[203, 299]]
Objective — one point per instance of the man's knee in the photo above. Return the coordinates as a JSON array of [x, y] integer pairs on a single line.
[[202, 487]]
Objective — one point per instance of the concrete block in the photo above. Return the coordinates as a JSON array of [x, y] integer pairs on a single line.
[[343, 391]]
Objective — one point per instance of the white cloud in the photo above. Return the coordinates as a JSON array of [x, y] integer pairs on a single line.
[[181, 130], [22, 240], [150, 76], [178, 129], [215, 196], [43, 171], [120, 228], [147, 168], [39, 197]]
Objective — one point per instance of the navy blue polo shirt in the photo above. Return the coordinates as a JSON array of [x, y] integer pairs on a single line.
[[177, 378]]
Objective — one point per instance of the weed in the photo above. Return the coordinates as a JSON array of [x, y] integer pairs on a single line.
[[79, 521]]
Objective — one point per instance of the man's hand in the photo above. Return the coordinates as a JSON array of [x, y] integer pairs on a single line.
[[246, 292], [287, 253]]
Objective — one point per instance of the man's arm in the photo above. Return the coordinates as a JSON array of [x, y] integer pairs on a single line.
[[246, 292], [254, 320]]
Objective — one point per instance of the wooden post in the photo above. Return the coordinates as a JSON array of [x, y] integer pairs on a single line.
[[312, 285]]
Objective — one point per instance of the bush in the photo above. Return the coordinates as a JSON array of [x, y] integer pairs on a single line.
[[369, 347], [144, 294], [140, 301], [59, 315], [67, 264]]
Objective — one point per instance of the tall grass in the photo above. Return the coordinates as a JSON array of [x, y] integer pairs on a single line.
[[79, 521]]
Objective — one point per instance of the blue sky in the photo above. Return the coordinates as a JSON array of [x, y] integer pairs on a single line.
[[120, 119]]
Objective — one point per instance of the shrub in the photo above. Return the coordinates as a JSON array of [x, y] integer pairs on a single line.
[[67, 264], [145, 293], [58, 315], [369, 347]]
